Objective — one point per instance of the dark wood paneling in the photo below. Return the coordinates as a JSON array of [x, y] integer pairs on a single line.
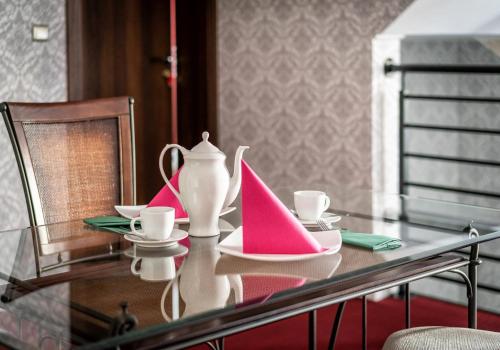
[[197, 70], [75, 50], [110, 46], [157, 108]]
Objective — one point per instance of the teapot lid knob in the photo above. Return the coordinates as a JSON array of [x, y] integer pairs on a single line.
[[205, 150]]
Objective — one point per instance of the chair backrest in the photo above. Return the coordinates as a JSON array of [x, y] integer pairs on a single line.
[[76, 159]]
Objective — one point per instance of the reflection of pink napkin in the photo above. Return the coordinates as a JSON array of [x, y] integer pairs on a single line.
[[166, 198], [265, 286], [268, 226]]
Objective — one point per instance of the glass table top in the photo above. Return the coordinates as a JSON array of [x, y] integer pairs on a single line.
[[70, 281]]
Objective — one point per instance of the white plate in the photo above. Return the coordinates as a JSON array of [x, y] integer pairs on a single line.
[[176, 236], [132, 211], [233, 245], [329, 217]]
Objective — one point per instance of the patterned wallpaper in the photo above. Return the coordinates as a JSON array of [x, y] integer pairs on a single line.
[[295, 85], [32, 72]]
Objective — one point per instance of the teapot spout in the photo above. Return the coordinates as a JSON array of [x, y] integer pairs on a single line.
[[235, 183]]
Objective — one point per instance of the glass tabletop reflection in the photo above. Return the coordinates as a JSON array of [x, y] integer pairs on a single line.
[[74, 281]]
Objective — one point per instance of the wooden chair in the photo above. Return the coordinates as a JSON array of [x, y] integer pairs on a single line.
[[76, 160]]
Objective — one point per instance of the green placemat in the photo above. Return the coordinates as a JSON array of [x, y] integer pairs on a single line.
[[115, 224], [370, 241]]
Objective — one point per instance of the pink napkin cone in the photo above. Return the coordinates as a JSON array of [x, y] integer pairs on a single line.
[[166, 198], [268, 226]]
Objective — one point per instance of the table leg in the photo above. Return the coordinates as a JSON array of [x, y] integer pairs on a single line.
[[221, 343], [312, 330], [407, 306], [336, 325], [212, 346], [364, 322], [473, 263]]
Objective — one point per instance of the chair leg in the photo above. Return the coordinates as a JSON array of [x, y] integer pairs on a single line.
[[336, 325]]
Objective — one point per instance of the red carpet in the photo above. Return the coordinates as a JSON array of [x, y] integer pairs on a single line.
[[384, 318]]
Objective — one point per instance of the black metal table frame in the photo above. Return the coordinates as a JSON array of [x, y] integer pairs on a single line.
[[217, 343], [215, 340]]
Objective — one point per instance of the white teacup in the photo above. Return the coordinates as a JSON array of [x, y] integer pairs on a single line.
[[310, 204], [154, 269], [157, 222]]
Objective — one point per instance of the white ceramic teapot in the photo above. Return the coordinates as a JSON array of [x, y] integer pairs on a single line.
[[204, 185]]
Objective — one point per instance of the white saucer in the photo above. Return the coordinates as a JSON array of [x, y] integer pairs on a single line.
[[132, 211], [233, 245], [329, 217], [169, 251], [176, 236], [129, 211]]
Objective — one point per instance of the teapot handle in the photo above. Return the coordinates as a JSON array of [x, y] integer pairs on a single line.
[[174, 285], [162, 154]]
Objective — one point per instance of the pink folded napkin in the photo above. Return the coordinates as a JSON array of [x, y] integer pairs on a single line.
[[268, 226], [166, 198]]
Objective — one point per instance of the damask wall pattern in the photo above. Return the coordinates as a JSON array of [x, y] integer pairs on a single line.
[[29, 72], [294, 83]]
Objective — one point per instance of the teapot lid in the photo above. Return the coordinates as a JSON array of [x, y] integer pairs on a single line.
[[205, 149]]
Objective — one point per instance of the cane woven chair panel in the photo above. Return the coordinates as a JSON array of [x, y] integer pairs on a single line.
[[76, 166]]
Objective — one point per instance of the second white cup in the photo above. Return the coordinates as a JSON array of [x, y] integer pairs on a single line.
[[310, 204], [157, 222]]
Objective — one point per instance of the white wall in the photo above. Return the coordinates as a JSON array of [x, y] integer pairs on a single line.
[[448, 17]]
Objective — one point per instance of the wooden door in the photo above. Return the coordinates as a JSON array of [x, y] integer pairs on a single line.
[[115, 48]]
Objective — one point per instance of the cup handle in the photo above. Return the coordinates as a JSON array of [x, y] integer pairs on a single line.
[[327, 203], [132, 266], [132, 227]]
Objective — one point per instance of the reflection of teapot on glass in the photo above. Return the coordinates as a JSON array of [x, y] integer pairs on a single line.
[[198, 285], [204, 185]]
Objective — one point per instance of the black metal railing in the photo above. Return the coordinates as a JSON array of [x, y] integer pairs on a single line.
[[404, 69], [404, 183]]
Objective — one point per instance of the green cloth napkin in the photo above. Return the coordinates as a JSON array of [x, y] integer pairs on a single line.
[[115, 224], [370, 241]]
